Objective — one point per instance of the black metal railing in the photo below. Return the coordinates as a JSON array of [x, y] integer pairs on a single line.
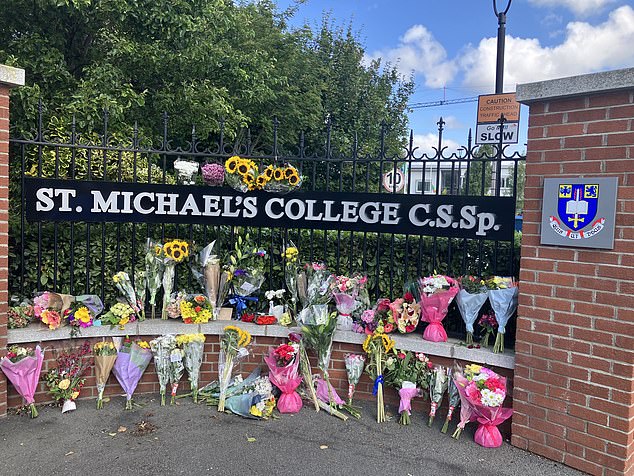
[[81, 257]]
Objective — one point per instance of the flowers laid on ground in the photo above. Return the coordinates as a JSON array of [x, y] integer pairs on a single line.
[[132, 360], [377, 346], [437, 387], [482, 394], [66, 380], [172, 253], [232, 346], [408, 373], [213, 174], [162, 348], [105, 356], [453, 397], [193, 346], [502, 294], [124, 284], [304, 366], [119, 315], [22, 366], [196, 309], [283, 364], [19, 316], [154, 267], [354, 369], [436, 292], [470, 298]]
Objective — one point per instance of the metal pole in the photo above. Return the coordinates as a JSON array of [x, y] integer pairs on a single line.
[[499, 70]]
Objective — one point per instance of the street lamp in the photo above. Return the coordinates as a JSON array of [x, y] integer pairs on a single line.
[[499, 71]]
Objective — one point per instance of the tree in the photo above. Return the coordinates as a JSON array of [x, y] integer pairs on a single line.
[[481, 160]]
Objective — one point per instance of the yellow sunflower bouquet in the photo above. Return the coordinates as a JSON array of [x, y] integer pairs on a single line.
[[377, 346], [173, 252], [243, 174], [283, 179]]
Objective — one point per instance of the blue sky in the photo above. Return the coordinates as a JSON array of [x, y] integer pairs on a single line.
[[450, 46]]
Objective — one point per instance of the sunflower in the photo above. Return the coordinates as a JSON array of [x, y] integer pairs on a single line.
[[248, 179], [243, 167], [278, 174], [232, 163], [185, 248], [293, 179], [268, 172], [261, 181], [167, 248], [288, 171], [158, 249]]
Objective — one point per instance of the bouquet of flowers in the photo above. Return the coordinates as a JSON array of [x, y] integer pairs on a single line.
[[436, 293], [283, 363], [83, 312], [173, 252], [489, 324], [483, 391], [119, 315], [282, 179], [247, 273], [19, 316], [132, 360], [318, 328], [48, 307], [437, 388], [213, 174], [470, 298], [454, 400], [279, 311], [124, 286], [232, 346], [377, 346], [304, 366], [255, 401], [214, 279], [409, 315], [243, 175], [185, 171], [401, 373], [291, 272], [313, 285], [354, 369], [154, 267], [345, 291], [105, 356], [22, 367], [503, 298], [176, 370], [196, 309], [162, 350], [66, 380], [193, 346]]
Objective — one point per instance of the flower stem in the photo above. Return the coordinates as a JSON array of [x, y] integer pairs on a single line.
[[445, 427], [469, 339], [34, 412], [457, 433], [499, 343]]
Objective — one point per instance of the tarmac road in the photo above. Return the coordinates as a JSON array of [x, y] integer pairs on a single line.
[[196, 440]]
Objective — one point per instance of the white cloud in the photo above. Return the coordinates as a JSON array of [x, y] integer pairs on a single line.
[[426, 143], [586, 48], [579, 7], [419, 52], [452, 122]]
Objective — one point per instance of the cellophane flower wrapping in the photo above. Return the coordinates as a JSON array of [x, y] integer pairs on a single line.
[[173, 252], [291, 272], [176, 370], [318, 328], [123, 283], [453, 397], [154, 267], [436, 292], [161, 350], [25, 375], [131, 362], [354, 368], [186, 170], [484, 392], [315, 285], [255, 401], [469, 306], [193, 346], [437, 389], [105, 355], [409, 316], [326, 392], [283, 179], [346, 304], [406, 393], [504, 304], [287, 379], [232, 349], [213, 174], [245, 283]]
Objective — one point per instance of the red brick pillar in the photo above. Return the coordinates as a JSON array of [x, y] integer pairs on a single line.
[[574, 376], [9, 78]]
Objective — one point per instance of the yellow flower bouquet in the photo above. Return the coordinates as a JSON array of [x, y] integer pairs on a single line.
[[173, 252]]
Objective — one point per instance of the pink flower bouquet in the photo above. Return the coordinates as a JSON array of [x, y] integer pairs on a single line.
[[22, 368], [482, 393], [283, 363], [436, 293]]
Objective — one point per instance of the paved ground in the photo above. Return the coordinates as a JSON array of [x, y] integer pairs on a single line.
[[195, 439]]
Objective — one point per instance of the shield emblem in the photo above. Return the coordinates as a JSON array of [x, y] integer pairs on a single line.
[[577, 205]]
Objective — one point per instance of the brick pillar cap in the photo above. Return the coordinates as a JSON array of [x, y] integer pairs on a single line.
[[10, 76], [608, 81]]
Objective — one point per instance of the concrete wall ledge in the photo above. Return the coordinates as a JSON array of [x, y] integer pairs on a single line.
[[594, 83], [10, 76], [37, 333]]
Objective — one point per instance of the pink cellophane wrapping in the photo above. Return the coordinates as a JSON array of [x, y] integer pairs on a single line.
[[324, 396], [287, 380], [25, 374], [434, 309], [406, 395]]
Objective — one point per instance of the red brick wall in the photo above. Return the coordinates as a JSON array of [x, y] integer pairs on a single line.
[[209, 372], [4, 229], [574, 375]]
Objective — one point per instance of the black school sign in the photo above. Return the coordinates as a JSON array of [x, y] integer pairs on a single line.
[[96, 201]]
